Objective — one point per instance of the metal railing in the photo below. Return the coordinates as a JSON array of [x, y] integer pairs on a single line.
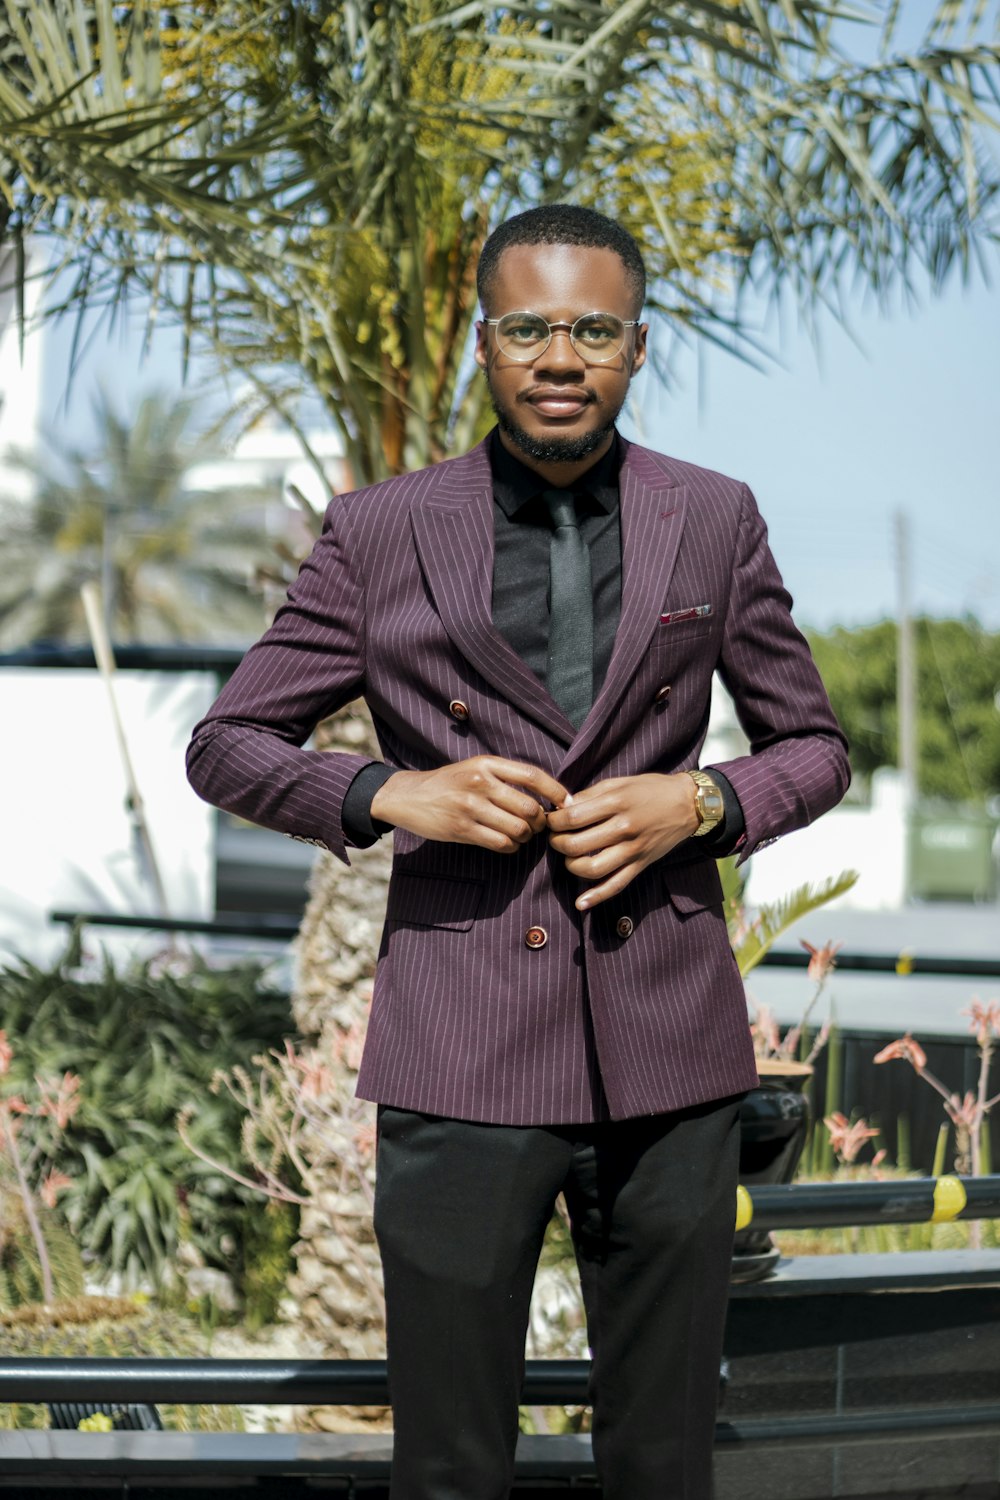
[[281, 926], [901, 1200]]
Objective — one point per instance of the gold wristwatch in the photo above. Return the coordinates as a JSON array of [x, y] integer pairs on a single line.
[[708, 803]]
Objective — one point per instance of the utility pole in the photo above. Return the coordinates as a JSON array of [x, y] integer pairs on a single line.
[[906, 680], [906, 687]]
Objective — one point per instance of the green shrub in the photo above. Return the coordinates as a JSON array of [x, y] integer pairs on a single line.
[[20, 1271], [267, 1261], [146, 1041]]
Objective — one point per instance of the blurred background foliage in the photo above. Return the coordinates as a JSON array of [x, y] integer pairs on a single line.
[[957, 701], [145, 1042], [176, 561]]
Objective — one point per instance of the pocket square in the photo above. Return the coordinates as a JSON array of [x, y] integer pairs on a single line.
[[693, 612]]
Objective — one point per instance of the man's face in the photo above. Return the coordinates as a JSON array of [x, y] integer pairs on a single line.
[[558, 408]]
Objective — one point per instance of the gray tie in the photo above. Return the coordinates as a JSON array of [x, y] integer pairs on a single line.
[[571, 610]]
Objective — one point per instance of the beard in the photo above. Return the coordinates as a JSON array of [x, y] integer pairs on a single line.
[[550, 449]]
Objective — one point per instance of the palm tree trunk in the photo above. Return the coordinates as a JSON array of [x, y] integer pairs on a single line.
[[338, 1275]]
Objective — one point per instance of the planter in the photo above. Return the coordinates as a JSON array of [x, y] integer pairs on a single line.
[[774, 1119]]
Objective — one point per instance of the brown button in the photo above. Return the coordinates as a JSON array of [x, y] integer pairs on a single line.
[[662, 693], [458, 710], [624, 927], [535, 937]]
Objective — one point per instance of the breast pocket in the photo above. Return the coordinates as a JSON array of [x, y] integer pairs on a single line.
[[433, 901]]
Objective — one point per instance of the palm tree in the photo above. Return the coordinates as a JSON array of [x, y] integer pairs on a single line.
[[175, 562], [305, 186]]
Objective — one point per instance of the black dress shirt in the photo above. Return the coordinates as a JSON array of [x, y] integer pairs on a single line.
[[522, 533]]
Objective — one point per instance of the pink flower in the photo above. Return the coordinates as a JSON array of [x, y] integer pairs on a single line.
[[907, 1049], [985, 1019], [847, 1139], [822, 960], [54, 1184], [315, 1078], [6, 1053], [964, 1111], [764, 1029], [60, 1100], [10, 1109]]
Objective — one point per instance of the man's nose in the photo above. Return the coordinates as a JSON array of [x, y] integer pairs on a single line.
[[560, 354]]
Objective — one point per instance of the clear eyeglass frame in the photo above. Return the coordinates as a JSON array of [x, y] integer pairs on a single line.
[[592, 354]]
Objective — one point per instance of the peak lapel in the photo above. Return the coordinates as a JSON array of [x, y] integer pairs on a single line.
[[453, 532], [653, 508]]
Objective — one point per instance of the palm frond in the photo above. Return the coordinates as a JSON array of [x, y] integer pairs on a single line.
[[774, 919]]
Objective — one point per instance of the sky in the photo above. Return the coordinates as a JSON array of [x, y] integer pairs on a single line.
[[833, 440]]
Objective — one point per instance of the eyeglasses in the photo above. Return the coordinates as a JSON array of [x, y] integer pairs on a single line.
[[596, 336]]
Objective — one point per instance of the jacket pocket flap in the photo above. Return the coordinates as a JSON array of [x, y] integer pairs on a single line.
[[694, 887], [434, 901]]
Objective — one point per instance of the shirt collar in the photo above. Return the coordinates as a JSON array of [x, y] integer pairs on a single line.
[[515, 485]]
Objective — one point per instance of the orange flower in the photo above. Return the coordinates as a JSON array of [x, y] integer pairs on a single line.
[[54, 1184], [6, 1053], [60, 1100], [822, 961], [315, 1078], [907, 1049], [964, 1111], [847, 1139]]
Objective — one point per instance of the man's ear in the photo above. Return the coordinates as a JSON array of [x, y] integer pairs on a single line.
[[480, 353], [639, 353]]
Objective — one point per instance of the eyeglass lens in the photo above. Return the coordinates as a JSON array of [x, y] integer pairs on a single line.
[[595, 336]]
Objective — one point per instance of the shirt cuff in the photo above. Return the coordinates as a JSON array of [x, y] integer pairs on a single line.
[[356, 814]]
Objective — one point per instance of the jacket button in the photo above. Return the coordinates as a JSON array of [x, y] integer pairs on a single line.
[[662, 693], [535, 937], [624, 927], [458, 710]]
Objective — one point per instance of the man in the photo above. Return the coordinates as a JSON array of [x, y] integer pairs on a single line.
[[535, 626]]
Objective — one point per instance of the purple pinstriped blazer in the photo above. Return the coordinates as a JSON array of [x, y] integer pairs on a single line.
[[394, 604]]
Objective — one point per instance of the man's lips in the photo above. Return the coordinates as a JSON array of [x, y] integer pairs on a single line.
[[559, 402]]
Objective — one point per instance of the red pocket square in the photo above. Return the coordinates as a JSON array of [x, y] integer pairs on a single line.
[[693, 612]]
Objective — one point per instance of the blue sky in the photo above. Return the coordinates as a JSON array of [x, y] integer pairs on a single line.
[[833, 440]]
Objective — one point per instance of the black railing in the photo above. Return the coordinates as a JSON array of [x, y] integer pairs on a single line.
[[231, 1382], [899, 1200], [281, 926]]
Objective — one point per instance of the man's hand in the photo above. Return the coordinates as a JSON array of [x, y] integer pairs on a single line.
[[494, 803], [611, 831]]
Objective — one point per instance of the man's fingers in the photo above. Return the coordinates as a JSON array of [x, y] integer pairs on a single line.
[[517, 803], [591, 840], [532, 778], [608, 888], [583, 812]]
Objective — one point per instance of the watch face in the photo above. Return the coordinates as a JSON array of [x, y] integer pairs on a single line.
[[710, 806]]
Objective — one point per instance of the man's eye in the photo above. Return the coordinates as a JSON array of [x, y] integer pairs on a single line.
[[596, 333], [524, 333]]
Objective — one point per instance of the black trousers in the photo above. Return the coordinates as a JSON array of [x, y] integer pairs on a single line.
[[460, 1213]]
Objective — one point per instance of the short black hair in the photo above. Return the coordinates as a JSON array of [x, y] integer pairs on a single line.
[[562, 224]]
